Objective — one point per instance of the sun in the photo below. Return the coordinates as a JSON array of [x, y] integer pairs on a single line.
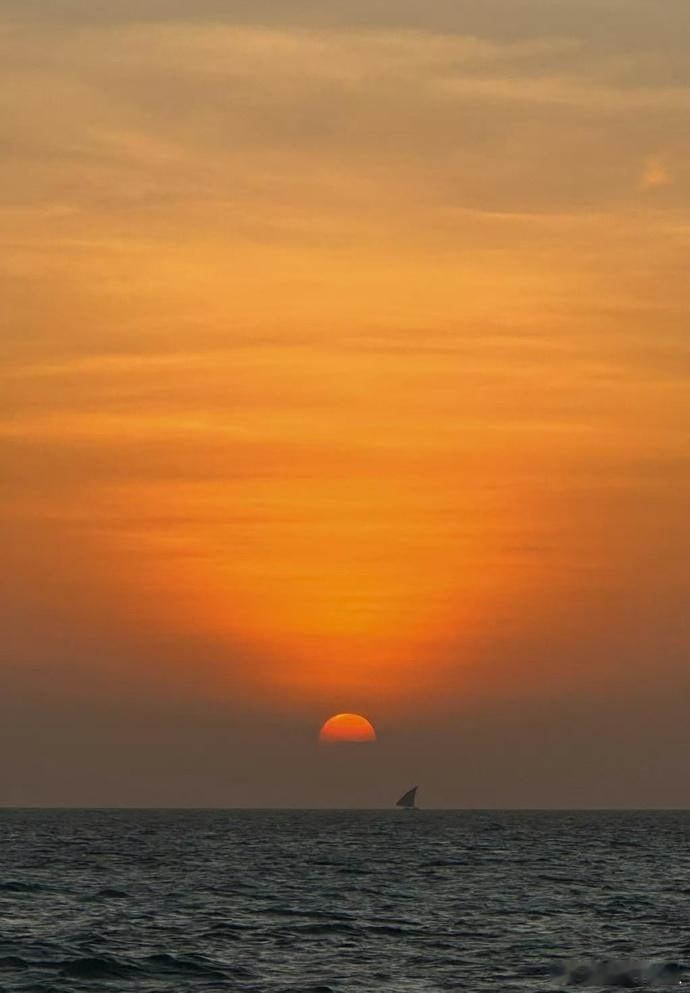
[[347, 728]]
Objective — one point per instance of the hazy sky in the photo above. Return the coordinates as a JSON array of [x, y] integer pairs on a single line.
[[345, 366]]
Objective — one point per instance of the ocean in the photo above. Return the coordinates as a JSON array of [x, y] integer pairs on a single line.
[[319, 901]]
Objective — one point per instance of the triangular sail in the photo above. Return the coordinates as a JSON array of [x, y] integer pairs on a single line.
[[408, 799]]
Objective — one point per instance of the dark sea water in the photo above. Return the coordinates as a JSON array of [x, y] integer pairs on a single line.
[[309, 901]]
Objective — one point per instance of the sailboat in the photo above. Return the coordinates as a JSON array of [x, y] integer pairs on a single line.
[[408, 799]]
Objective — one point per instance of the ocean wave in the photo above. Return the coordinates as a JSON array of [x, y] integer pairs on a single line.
[[94, 967], [13, 962], [322, 927], [622, 974], [17, 886], [172, 965], [308, 989]]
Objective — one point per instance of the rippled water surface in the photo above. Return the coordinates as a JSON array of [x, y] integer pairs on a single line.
[[311, 901]]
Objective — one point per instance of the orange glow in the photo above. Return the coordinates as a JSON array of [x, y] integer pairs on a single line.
[[347, 728], [364, 413]]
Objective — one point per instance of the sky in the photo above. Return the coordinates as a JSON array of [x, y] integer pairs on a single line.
[[345, 367]]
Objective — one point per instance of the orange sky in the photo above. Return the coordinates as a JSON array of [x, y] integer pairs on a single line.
[[345, 359]]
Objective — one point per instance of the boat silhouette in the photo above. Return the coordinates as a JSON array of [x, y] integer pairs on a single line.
[[408, 799]]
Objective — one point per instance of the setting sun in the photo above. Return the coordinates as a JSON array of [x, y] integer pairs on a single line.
[[347, 728]]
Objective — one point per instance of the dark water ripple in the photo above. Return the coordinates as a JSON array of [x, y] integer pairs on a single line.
[[312, 902]]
